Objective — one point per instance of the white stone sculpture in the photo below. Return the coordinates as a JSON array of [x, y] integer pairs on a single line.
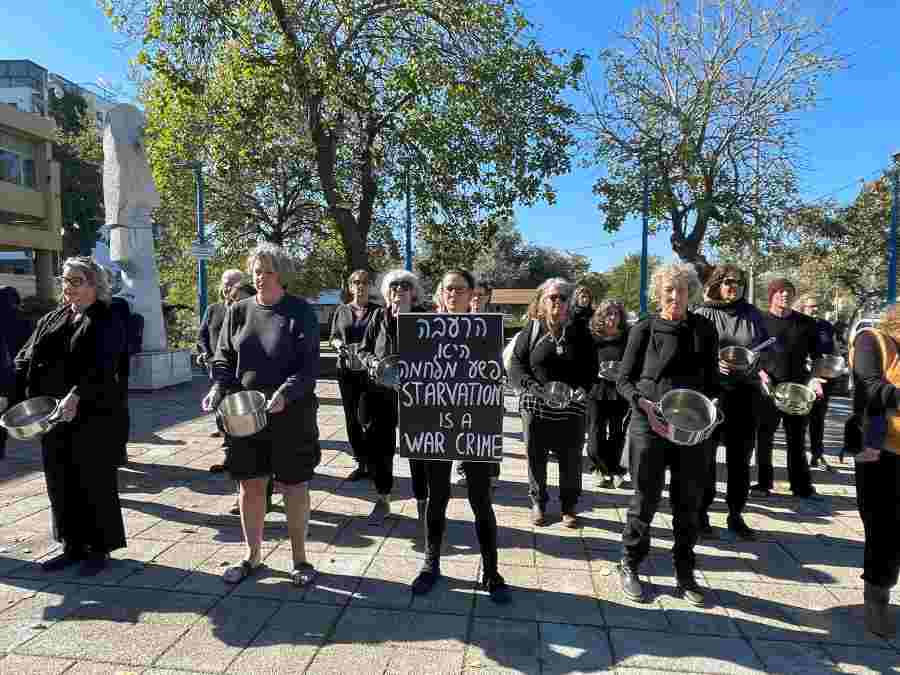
[[130, 196]]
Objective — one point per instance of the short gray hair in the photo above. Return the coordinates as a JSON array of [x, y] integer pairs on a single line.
[[94, 272], [281, 264], [391, 276], [680, 274], [228, 274]]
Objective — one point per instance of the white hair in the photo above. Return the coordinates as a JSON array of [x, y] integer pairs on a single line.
[[391, 276], [281, 264], [96, 275], [680, 274]]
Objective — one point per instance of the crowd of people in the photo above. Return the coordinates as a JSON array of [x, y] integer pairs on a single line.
[[261, 338]]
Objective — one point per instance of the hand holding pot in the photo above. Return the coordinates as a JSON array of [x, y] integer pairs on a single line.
[[724, 368], [868, 455], [658, 425], [68, 407], [211, 400], [275, 404]]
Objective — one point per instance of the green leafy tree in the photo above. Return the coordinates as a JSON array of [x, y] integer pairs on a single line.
[[707, 104], [79, 151], [597, 283], [625, 281], [453, 94]]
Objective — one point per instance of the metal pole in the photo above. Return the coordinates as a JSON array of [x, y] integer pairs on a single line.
[[892, 244], [408, 224], [644, 231], [201, 237]]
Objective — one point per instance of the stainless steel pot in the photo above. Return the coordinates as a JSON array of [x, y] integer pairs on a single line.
[[243, 414], [794, 399], [352, 358], [690, 417], [609, 370], [739, 359], [560, 395], [386, 372], [829, 367], [31, 418]]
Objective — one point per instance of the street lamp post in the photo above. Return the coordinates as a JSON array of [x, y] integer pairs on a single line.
[[644, 232], [408, 222], [199, 247], [892, 241]]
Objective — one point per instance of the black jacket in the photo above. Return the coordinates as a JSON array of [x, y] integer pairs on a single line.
[[608, 349], [380, 339], [663, 355], [797, 338], [342, 326], [59, 358], [210, 327], [570, 359]]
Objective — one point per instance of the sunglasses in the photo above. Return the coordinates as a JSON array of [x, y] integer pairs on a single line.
[[731, 282], [455, 289], [74, 282], [558, 297], [400, 286]]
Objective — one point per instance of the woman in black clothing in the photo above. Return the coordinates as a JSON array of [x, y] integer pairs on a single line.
[[673, 349], [561, 351], [431, 481], [73, 355], [348, 327], [606, 409], [583, 304], [738, 323], [402, 293], [875, 402]]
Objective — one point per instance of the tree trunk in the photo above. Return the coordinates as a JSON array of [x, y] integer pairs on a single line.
[[354, 236], [688, 248]]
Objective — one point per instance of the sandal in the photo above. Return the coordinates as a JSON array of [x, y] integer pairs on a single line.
[[237, 573], [302, 574]]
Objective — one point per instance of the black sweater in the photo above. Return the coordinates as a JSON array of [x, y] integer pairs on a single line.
[[210, 326], [608, 349], [785, 361], [344, 326], [576, 366], [663, 355]]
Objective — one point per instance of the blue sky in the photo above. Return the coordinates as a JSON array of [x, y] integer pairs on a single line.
[[851, 136]]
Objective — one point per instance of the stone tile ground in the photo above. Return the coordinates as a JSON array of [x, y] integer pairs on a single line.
[[788, 603]]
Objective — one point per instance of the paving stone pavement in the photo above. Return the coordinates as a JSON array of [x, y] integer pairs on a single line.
[[788, 603]]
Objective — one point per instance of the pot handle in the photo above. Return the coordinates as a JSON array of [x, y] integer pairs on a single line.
[[55, 417]]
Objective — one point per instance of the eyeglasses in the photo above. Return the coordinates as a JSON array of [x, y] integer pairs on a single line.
[[731, 282], [358, 282], [74, 282], [400, 286], [557, 297], [449, 290]]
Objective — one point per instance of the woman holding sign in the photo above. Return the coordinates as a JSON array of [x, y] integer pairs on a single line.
[[402, 293], [431, 481], [554, 363]]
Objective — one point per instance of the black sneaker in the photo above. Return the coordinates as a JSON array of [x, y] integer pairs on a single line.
[[760, 491], [690, 590], [93, 565], [497, 589], [630, 583], [738, 525], [358, 473], [65, 559], [426, 580], [706, 530]]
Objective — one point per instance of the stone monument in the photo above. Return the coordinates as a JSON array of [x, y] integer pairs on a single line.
[[130, 196]]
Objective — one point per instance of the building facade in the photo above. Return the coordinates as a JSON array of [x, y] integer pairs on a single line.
[[30, 207]]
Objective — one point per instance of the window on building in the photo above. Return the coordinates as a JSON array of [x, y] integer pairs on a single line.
[[17, 161]]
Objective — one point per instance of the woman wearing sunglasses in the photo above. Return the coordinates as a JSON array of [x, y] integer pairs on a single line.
[[563, 352], [739, 323], [431, 481], [402, 292]]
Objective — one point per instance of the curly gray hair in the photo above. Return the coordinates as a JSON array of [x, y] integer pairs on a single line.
[[566, 287], [389, 277], [95, 274], [276, 256], [680, 274]]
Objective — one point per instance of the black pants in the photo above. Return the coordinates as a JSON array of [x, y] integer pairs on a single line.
[[431, 481], [817, 422], [564, 437], [795, 431], [606, 434], [741, 407], [352, 384], [382, 437], [650, 455], [878, 500]]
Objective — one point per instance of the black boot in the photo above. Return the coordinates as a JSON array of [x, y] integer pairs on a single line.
[[630, 583], [428, 576], [877, 611], [690, 589]]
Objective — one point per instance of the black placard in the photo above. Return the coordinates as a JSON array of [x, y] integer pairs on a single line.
[[451, 397]]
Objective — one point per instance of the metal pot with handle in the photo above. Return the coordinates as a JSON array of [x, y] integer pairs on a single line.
[[386, 371], [560, 395], [31, 418], [792, 398], [243, 414], [609, 371], [829, 367], [742, 360], [689, 416]]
